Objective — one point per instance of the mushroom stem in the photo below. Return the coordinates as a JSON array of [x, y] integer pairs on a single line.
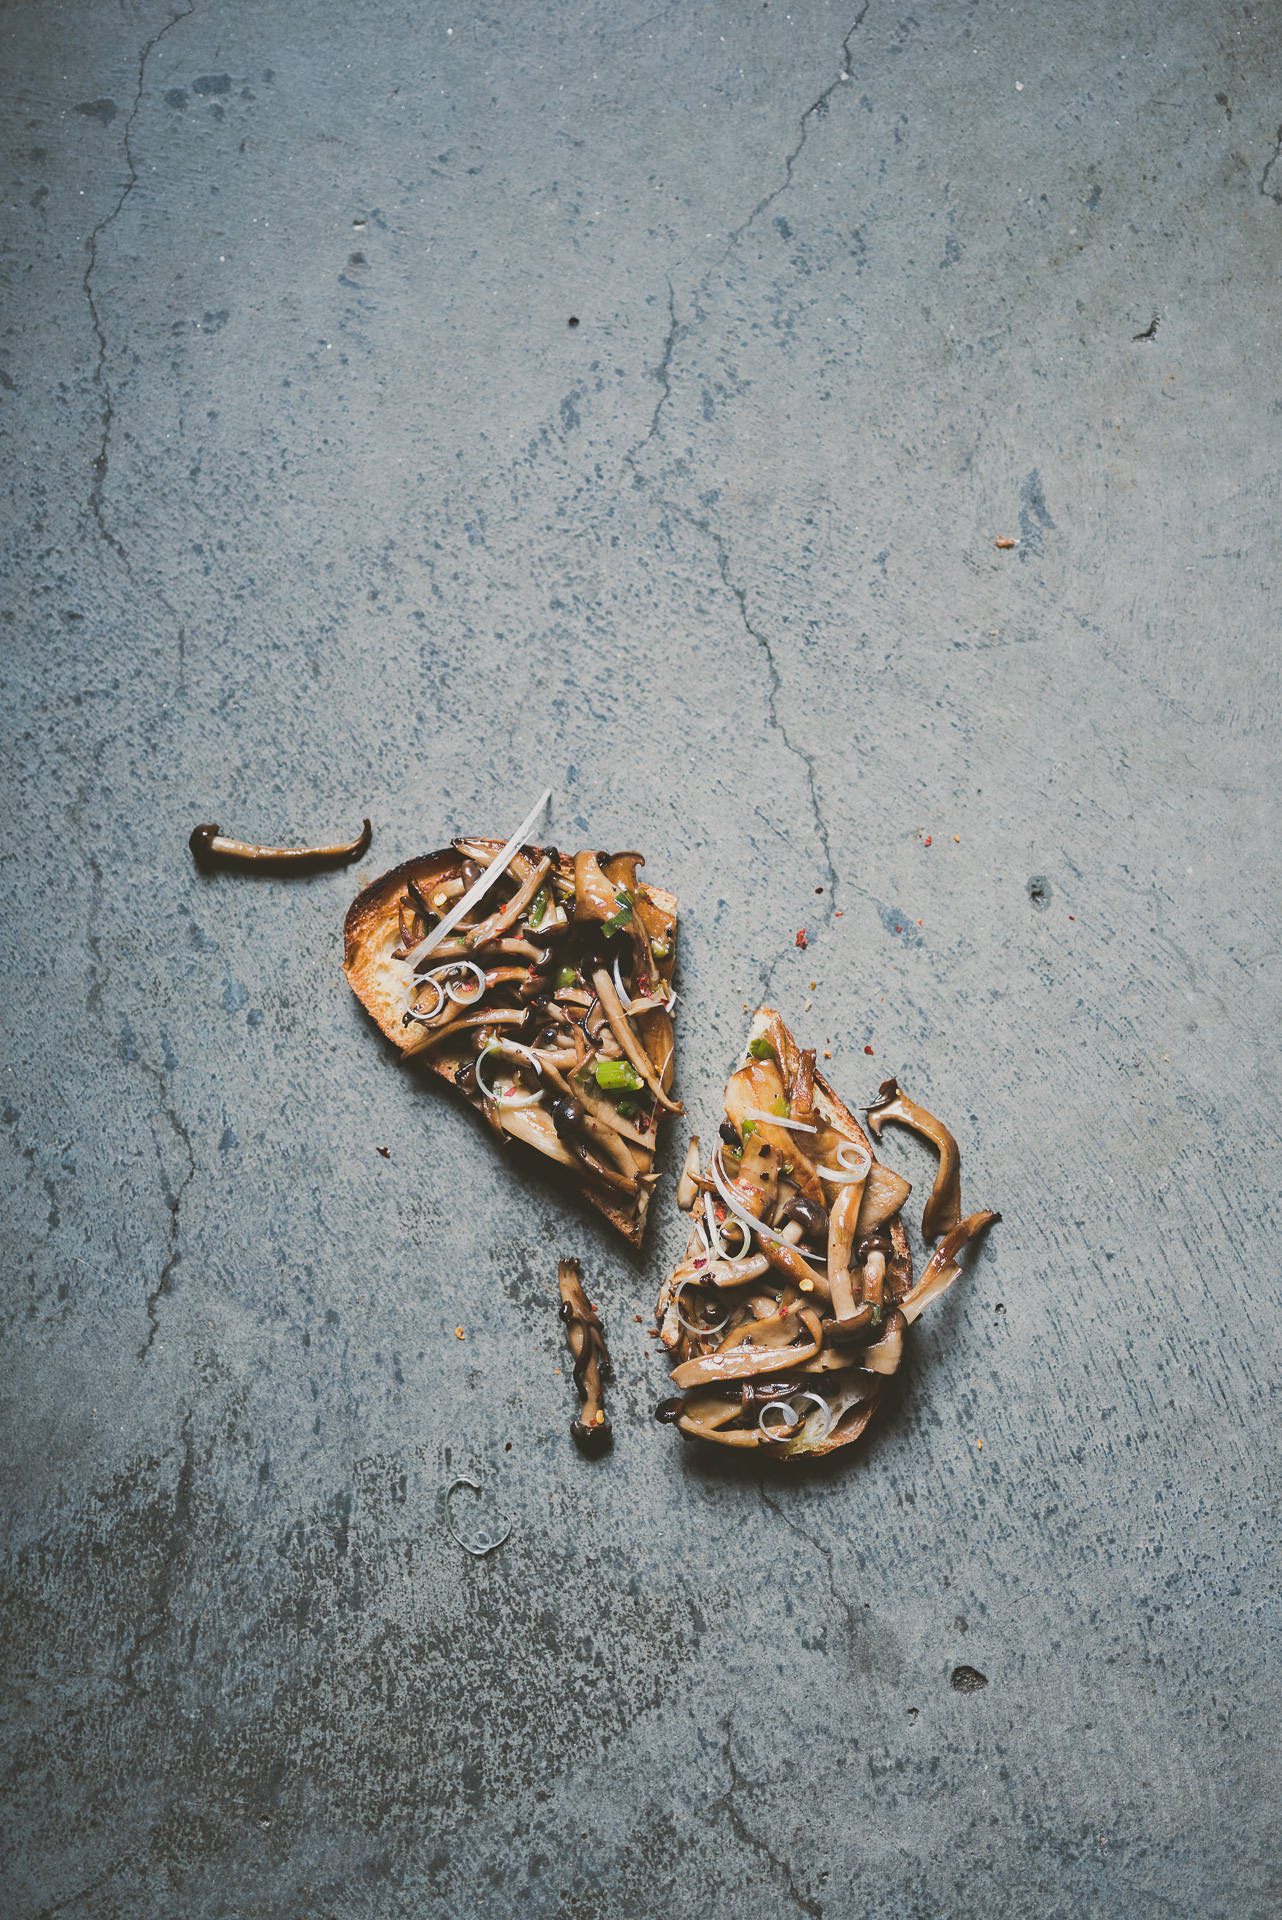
[[627, 1039], [212, 848], [586, 1337], [842, 1221], [943, 1209], [688, 1184], [943, 1266], [508, 914]]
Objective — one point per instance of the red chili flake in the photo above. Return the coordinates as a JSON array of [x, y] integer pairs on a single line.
[[1004, 542], [839, 913], [898, 929], [1072, 916], [867, 1049], [699, 1263], [801, 937], [927, 839], [387, 1151]]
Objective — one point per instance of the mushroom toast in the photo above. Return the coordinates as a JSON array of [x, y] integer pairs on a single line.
[[547, 1001], [790, 1306]]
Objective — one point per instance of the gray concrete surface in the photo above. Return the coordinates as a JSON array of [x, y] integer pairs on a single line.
[[318, 505]]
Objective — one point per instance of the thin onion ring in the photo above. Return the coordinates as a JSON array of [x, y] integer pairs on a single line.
[[714, 1240], [843, 1174], [823, 1407], [759, 1114], [506, 1099], [699, 1332], [759, 1227], [415, 1012], [457, 966], [780, 1406], [625, 998]]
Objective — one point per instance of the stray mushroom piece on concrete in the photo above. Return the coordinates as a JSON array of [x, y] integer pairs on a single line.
[[943, 1209], [590, 1428]]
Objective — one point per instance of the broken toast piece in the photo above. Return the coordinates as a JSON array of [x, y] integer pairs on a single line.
[[790, 1307], [547, 1004]]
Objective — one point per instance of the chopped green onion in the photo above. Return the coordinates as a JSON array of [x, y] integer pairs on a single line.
[[566, 976], [617, 1073], [538, 907], [779, 1106], [876, 1316], [749, 1126], [762, 1048], [629, 1108], [616, 923], [660, 949]]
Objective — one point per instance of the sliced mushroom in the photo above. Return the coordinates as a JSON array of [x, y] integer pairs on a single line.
[[688, 1184], [942, 1268], [803, 1087], [212, 848], [586, 1337], [885, 1354], [841, 1238], [757, 1346], [508, 914], [594, 896], [627, 1039], [943, 1209], [426, 1037], [571, 1117]]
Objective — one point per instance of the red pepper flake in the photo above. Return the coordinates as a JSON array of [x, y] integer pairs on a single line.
[[927, 839], [1072, 916], [839, 913], [801, 937], [898, 929], [1004, 542], [698, 1264], [867, 1049], [387, 1151]]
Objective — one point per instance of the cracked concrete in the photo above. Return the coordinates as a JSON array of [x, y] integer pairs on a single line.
[[319, 506]]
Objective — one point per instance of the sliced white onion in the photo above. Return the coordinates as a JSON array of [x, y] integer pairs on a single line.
[[459, 966], [510, 1098], [713, 1326], [843, 1174], [768, 1427], [715, 1240], [778, 1120], [824, 1409], [754, 1225], [412, 1009], [625, 998], [494, 872]]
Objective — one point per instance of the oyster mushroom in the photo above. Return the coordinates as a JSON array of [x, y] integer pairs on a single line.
[[943, 1268], [592, 1367], [943, 1208]]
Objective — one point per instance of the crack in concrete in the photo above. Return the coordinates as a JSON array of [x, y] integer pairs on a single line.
[[816, 107], [160, 1590], [774, 687], [1269, 165], [825, 1554], [662, 373], [102, 458], [174, 1200], [744, 1832]]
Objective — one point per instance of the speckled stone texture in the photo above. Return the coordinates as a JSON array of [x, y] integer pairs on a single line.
[[319, 503]]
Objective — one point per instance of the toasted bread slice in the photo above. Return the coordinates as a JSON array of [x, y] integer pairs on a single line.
[[589, 1067], [790, 1287]]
